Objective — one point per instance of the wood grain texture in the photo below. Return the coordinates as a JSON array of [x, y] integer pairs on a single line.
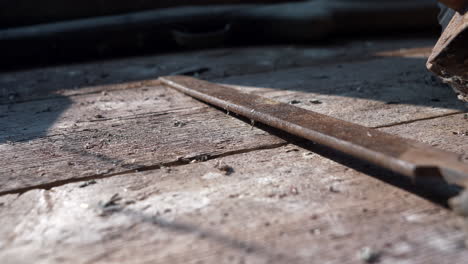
[[66, 80], [98, 131], [449, 133], [103, 134], [54, 134], [379, 92], [237, 203], [285, 205]]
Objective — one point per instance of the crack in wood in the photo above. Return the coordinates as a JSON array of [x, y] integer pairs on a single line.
[[176, 163], [418, 120]]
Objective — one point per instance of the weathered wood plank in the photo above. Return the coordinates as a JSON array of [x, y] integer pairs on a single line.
[[449, 133], [102, 128], [85, 78], [74, 113], [371, 93], [104, 134], [283, 205]]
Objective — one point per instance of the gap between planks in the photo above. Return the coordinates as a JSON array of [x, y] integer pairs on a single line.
[[189, 160], [175, 163], [418, 120]]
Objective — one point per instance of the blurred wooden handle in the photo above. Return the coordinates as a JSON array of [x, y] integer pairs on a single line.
[[458, 5]]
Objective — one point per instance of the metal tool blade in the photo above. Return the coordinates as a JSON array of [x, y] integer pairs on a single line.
[[407, 157], [449, 58]]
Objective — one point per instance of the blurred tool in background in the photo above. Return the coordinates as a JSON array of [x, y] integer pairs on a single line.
[[40, 33], [33, 33], [449, 59]]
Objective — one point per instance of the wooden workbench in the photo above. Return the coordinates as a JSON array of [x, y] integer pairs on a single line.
[[103, 164]]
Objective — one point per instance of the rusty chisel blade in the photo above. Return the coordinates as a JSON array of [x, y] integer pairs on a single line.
[[410, 158]]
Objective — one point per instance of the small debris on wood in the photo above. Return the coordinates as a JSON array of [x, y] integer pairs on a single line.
[[293, 190], [293, 102], [252, 124], [226, 169], [104, 171], [129, 202], [99, 116], [333, 189], [183, 159], [179, 124], [292, 150], [460, 133], [368, 255], [193, 159], [201, 158], [317, 102], [113, 200], [86, 184], [89, 145], [308, 155], [111, 206]]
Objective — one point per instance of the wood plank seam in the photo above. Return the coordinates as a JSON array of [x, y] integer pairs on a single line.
[[175, 163], [418, 120]]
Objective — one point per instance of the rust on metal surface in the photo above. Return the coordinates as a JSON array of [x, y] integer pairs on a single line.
[[411, 158], [455, 4]]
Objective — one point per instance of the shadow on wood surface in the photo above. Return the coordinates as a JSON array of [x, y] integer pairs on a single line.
[[31, 101]]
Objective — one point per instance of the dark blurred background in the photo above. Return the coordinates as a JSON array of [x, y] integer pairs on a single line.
[[37, 33]]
